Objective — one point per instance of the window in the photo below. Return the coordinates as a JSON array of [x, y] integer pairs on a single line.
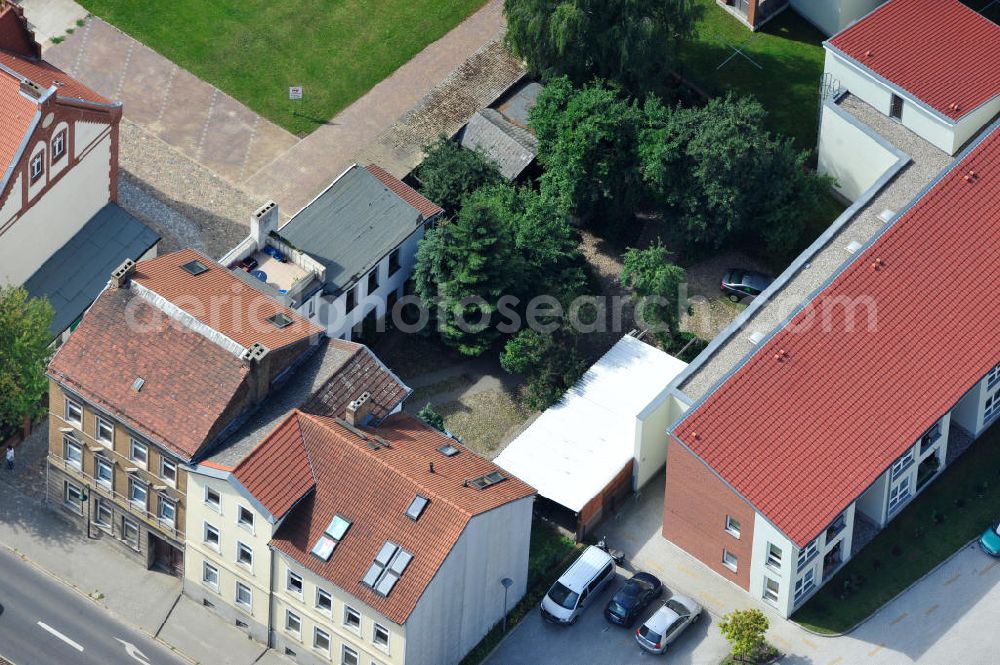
[[73, 497], [168, 470], [321, 640], [324, 601], [930, 438], [380, 636], [992, 408], [138, 453], [130, 532], [771, 589], [72, 452], [351, 302], [394, 262], [902, 464], [806, 554], [732, 527], [138, 492], [210, 576], [416, 508], [483, 482], [349, 657], [59, 146], [448, 450], [310, 308], [167, 510], [244, 555], [385, 571], [37, 166], [280, 320], [104, 515], [773, 556], [729, 560], [245, 518], [804, 585], [331, 537], [195, 267], [373, 280], [293, 624], [213, 500], [993, 377], [836, 526], [244, 597], [74, 413], [294, 583], [896, 108], [898, 494], [105, 431], [351, 618], [212, 538]]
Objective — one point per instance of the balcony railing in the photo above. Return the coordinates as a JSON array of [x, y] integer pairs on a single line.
[[120, 500]]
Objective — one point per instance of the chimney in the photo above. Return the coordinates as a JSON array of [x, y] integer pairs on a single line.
[[359, 412], [257, 358], [263, 220], [431, 467], [32, 89], [123, 274]]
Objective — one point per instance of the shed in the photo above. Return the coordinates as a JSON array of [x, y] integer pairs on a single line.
[[604, 439]]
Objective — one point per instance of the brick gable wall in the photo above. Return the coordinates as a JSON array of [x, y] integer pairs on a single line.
[[695, 505]]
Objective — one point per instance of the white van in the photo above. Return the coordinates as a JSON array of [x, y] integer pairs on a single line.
[[578, 586]]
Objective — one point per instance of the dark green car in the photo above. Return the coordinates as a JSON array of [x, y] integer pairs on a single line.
[[990, 540]]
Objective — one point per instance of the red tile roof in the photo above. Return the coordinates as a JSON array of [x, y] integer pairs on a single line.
[[364, 372], [192, 387], [372, 488], [940, 51], [278, 473], [802, 435], [222, 301], [18, 111], [405, 192]]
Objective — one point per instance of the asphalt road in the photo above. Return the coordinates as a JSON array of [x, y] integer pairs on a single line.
[[43, 622]]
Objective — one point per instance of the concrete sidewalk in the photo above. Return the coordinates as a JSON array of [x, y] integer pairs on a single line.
[[148, 600]]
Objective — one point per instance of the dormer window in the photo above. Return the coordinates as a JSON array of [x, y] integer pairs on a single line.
[[37, 166], [59, 146]]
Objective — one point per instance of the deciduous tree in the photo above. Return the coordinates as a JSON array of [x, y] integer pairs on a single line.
[[24, 352], [744, 630], [449, 173]]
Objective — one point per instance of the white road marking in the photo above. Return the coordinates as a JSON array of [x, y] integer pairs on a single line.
[[45, 626], [132, 651]]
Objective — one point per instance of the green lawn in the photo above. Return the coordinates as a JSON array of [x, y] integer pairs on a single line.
[[953, 509], [791, 56], [255, 49]]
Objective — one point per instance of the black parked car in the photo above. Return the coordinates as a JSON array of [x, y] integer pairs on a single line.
[[738, 283], [634, 596]]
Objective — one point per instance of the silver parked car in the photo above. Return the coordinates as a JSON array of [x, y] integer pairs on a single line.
[[676, 614]]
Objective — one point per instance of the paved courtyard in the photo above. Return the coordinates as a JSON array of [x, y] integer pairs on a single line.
[[952, 610]]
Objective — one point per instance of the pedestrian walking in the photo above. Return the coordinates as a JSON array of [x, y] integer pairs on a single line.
[[10, 458]]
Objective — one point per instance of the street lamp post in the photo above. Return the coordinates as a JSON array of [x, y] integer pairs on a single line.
[[85, 498], [506, 582]]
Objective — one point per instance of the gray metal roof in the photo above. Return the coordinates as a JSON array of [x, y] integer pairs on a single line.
[[517, 104], [511, 147], [74, 276], [351, 226]]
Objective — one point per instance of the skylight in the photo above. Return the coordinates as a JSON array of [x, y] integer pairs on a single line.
[[280, 320], [195, 267], [388, 567], [448, 450], [326, 543], [483, 482], [416, 508]]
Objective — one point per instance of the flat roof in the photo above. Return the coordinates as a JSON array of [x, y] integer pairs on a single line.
[[940, 51], [575, 448], [830, 400], [75, 275]]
